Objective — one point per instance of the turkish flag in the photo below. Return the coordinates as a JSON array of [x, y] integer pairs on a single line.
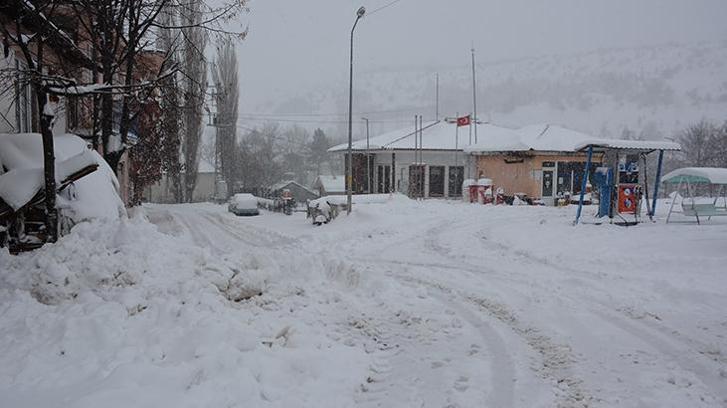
[[464, 121]]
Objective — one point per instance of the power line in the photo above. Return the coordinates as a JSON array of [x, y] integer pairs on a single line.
[[328, 121], [391, 3], [308, 114]]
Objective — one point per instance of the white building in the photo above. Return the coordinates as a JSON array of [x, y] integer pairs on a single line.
[[429, 163]]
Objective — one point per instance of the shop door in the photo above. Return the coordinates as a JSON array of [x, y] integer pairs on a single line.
[[456, 177], [436, 181], [383, 173], [416, 181], [547, 183]]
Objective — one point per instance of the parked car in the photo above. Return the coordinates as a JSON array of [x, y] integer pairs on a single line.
[[243, 204]]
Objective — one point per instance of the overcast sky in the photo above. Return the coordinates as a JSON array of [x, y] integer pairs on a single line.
[[296, 44]]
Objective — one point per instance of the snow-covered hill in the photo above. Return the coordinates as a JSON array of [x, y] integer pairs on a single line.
[[655, 90]]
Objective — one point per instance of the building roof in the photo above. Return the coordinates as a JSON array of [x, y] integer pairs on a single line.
[[437, 135], [332, 184], [697, 175], [283, 184], [640, 145], [546, 137], [442, 135], [542, 137], [554, 138]]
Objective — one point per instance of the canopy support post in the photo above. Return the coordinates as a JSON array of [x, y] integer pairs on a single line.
[[656, 184], [583, 184], [679, 186]]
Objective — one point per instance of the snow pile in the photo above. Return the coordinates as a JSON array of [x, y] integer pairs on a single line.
[[117, 314], [93, 196], [360, 199]]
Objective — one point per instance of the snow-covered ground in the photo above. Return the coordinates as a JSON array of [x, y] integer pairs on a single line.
[[401, 304]]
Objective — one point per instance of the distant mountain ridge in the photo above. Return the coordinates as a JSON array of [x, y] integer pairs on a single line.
[[651, 91]]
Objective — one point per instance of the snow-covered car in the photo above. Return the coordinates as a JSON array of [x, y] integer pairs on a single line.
[[243, 204]]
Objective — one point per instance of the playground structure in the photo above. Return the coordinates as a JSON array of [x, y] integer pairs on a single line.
[[618, 180], [692, 178]]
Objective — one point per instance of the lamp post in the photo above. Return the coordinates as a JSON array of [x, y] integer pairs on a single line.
[[368, 158], [349, 176]]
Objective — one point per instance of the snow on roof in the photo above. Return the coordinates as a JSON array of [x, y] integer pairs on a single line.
[[496, 139], [332, 184], [629, 144], [491, 138], [697, 175], [282, 184], [438, 135], [542, 137], [546, 137], [21, 155]]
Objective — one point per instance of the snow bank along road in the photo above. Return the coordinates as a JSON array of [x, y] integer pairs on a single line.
[[401, 304]]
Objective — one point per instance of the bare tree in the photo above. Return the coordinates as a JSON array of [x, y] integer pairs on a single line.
[[695, 143], [318, 149], [195, 89], [227, 95], [170, 121]]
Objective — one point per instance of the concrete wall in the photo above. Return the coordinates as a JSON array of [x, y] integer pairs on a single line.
[[520, 174]]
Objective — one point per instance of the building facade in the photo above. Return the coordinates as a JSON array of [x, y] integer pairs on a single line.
[[429, 162]]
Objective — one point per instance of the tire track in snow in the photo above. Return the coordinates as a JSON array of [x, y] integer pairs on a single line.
[[199, 238], [503, 370], [258, 237], [405, 373], [658, 336], [649, 326], [556, 359]]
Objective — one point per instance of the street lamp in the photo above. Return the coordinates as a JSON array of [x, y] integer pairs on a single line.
[[349, 176], [368, 158]]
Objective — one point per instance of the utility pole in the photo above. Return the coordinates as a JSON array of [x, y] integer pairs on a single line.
[[436, 116], [474, 93], [213, 121], [349, 173], [368, 158]]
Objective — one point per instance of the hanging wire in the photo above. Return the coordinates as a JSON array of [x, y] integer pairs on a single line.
[[389, 4]]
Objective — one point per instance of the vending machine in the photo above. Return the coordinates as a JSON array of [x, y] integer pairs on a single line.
[[628, 198], [628, 189]]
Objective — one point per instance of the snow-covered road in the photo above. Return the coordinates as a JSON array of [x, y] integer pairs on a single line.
[[401, 304], [461, 305]]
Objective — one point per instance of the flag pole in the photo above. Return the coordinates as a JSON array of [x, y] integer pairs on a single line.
[[474, 93], [436, 117], [456, 141]]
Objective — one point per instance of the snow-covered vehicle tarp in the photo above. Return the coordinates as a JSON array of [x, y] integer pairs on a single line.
[[86, 186]]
